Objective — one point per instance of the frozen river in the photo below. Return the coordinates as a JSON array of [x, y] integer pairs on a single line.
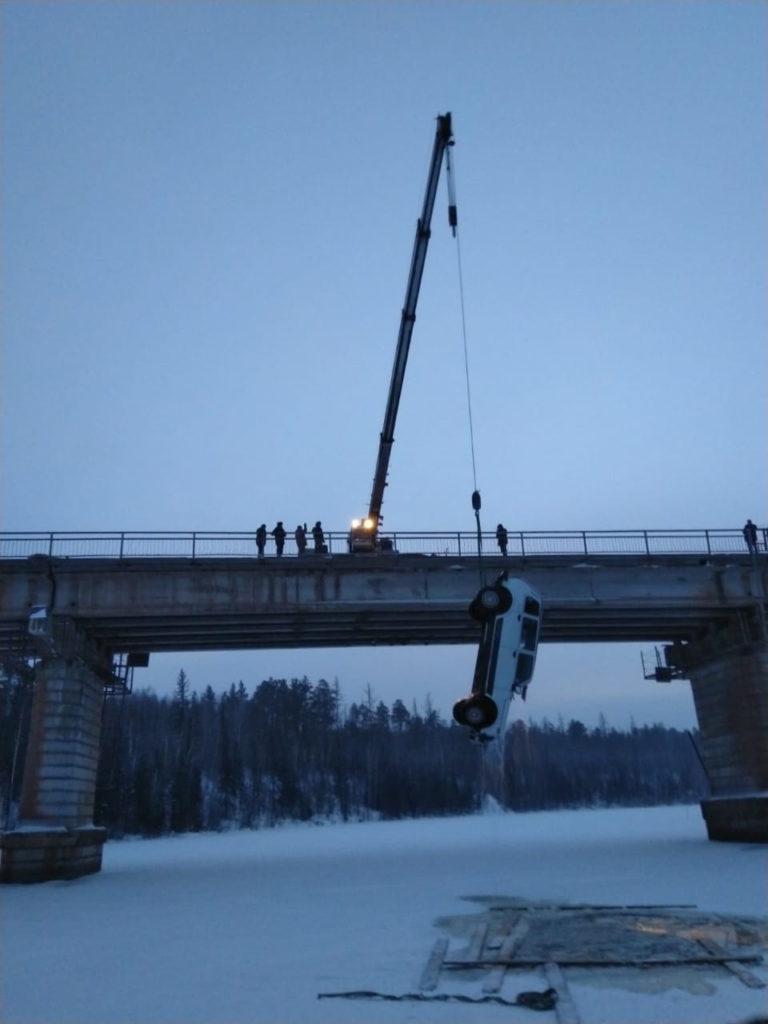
[[254, 926]]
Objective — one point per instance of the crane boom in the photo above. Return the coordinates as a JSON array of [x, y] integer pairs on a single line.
[[363, 536]]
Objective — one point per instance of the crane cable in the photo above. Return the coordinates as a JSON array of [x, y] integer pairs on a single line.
[[453, 220]]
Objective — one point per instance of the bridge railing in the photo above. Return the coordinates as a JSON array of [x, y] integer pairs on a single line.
[[212, 544]]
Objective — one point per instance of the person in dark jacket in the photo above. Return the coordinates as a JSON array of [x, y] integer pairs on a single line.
[[261, 539], [750, 536], [301, 539], [501, 538], [319, 537], [279, 534]]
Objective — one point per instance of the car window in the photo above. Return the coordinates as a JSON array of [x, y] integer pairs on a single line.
[[524, 668], [529, 633]]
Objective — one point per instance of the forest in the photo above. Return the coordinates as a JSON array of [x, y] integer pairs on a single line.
[[295, 751]]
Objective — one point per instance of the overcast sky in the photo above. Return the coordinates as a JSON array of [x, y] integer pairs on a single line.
[[208, 213]]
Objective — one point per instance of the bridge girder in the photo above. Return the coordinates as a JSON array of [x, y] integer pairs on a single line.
[[176, 605]]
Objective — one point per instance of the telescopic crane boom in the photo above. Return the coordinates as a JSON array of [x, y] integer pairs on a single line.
[[364, 535]]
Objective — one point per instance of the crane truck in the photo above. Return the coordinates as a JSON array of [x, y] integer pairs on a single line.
[[364, 535]]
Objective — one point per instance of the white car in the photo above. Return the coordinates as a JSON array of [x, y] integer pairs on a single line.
[[510, 613]]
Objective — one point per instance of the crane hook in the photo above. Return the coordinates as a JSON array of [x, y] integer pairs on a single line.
[[476, 505]]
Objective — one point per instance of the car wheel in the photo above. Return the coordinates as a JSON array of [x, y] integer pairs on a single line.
[[490, 602], [458, 711], [479, 712]]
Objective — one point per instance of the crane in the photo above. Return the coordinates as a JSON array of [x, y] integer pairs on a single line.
[[364, 535]]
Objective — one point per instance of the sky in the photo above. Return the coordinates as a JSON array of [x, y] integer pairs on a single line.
[[208, 214], [253, 925]]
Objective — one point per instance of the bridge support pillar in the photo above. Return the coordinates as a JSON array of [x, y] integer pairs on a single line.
[[730, 692], [56, 837]]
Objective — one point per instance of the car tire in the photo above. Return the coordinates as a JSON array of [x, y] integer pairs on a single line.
[[490, 602], [458, 711], [479, 712]]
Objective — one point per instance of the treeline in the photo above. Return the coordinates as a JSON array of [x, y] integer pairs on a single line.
[[294, 751]]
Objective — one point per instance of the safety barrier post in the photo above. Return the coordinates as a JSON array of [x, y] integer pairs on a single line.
[[647, 547], [709, 549], [122, 542], [584, 539], [194, 541], [50, 546], [458, 540]]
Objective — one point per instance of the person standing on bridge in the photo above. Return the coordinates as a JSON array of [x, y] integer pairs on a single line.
[[279, 534], [318, 537], [301, 538], [750, 536], [501, 539], [261, 539]]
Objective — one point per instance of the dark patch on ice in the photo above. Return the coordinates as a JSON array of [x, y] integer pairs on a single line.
[[558, 931]]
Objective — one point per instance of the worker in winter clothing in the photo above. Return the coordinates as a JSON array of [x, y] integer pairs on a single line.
[[318, 537], [261, 539], [750, 536], [301, 539], [279, 534], [501, 538]]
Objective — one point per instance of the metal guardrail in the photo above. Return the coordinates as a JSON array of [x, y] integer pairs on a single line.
[[212, 544]]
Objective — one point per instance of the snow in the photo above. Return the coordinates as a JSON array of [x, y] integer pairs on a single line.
[[62, 829], [252, 926]]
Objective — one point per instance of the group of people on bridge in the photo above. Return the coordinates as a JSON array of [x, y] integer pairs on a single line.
[[750, 532], [299, 535]]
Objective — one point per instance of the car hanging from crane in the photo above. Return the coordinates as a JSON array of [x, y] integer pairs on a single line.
[[509, 610], [510, 613]]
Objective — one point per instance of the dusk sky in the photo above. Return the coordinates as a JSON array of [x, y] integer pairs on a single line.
[[208, 213]]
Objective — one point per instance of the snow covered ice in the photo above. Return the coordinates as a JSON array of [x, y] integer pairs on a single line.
[[253, 926]]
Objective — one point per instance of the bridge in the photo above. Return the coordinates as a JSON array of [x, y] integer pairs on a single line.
[[82, 608], [153, 592]]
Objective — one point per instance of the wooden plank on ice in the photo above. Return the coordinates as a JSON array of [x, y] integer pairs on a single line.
[[509, 947], [632, 907], [721, 956], [591, 961], [565, 1008], [431, 973], [475, 948]]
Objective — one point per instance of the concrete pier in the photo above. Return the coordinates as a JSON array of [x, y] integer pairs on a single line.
[[56, 837], [730, 693]]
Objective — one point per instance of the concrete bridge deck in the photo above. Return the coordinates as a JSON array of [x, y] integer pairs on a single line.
[[155, 604]]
